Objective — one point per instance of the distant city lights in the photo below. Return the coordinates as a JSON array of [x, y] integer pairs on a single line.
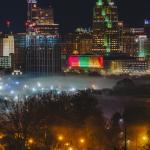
[[12, 88]]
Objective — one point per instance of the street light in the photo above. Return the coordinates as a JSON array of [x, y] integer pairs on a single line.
[[30, 141], [60, 137], [33, 89], [124, 127], [70, 148], [82, 141], [145, 138], [67, 144], [128, 142], [1, 136], [38, 84], [93, 86], [12, 92], [25, 86], [1, 87], [16, 98]]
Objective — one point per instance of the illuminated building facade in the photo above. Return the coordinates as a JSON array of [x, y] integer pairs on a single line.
[[8, 45], [124, 64], [147, 27], [107, 30], [40, 21], [130, 42], [20, 52], [5, 62], [79, 42], [142, 51], [6, 51], [43, 54], [85, 61]]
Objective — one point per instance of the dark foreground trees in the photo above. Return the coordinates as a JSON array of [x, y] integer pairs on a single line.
[[47, 122]]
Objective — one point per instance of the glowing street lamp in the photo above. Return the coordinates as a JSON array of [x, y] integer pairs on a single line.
[[1, 136], [33, 90], [93, 86], [5, 98], [60, 138], [39, 84], [1, 87], [73, 89], [128, 142], [17, 82], [67, 144], [30, 141], [25, 86], [16, 98], [145, 138], [82, 140], [12, 92], [52, 88], [70, 148]]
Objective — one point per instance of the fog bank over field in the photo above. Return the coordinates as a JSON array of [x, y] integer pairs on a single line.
[[27, 84]]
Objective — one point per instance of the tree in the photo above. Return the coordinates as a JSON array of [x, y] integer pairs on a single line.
[[124, 87]]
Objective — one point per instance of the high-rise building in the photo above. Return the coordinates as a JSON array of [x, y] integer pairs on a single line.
[[40, 21], [20, 52], [135, 42], [130, 40], [107, 30], [147, 27], [8, 45], [6, 51], [78, 42], [43, 55]]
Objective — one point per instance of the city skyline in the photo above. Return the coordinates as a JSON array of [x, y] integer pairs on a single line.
[[108, 38], [67, 15]]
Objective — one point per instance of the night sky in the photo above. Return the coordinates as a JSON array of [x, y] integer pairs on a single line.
[[73, 13]]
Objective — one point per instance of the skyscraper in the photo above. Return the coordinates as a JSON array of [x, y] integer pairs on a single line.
[[147, 27], [130, 40], [42, 51], [40, 20], [107, 30]]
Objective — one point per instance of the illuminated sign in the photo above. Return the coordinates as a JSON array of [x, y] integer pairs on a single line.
[[147, 22], [86, 62]]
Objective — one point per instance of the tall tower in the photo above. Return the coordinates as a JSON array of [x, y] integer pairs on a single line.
[[147, 27], [42, 51], [31, 5], [106, 27], [40, 20]]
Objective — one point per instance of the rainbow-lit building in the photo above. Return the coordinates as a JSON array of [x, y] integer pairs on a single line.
[[107, 30], [85, 62]]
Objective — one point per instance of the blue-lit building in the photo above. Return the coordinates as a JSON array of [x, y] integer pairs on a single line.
[[43, 55], [19, 52]]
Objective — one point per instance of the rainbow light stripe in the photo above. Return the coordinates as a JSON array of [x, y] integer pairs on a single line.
[[86, 62]]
